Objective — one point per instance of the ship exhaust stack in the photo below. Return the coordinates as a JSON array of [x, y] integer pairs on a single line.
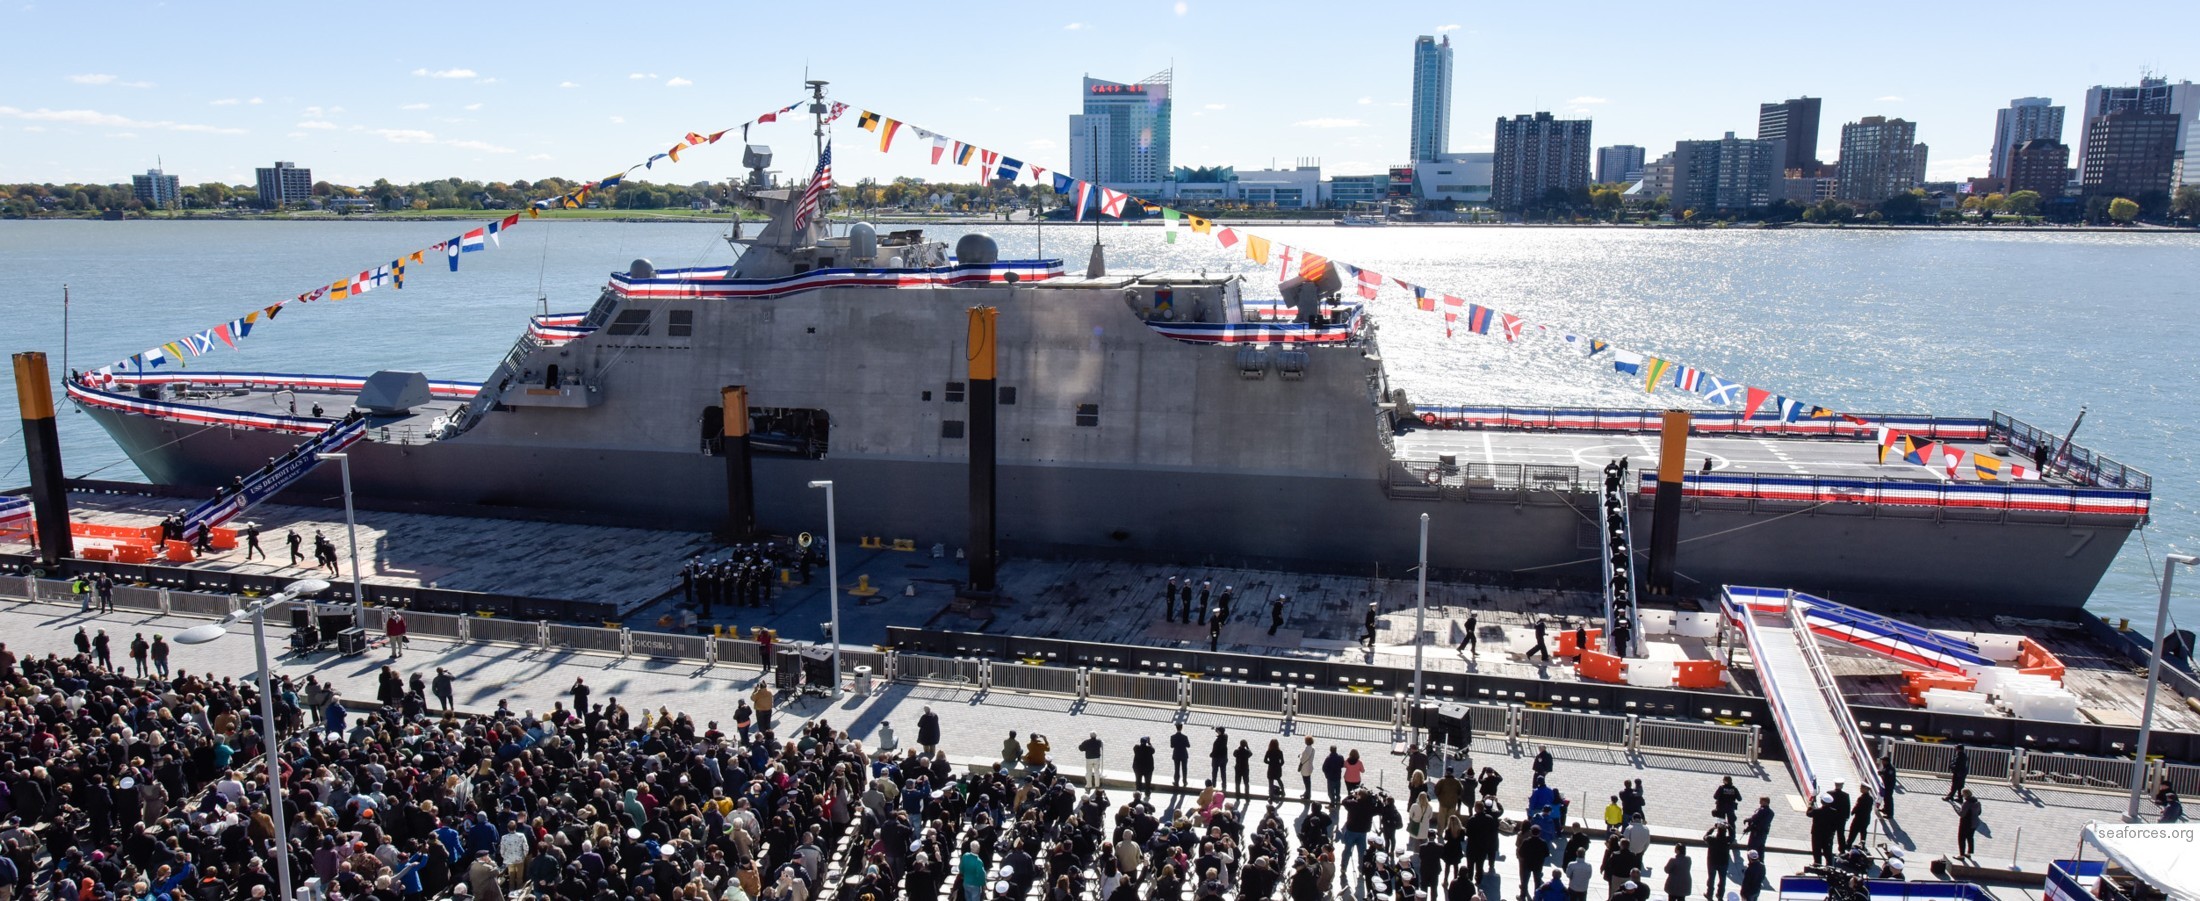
[[983, 449], [42, 445], [740, 479], [1665, 510]]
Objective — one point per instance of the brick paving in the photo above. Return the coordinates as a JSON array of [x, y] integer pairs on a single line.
[[2028, 826]]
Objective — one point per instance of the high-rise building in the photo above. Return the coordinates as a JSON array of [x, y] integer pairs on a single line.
[[1794, 123], [1880, 157], [156, 188], [2151, 95], [285, 182], [1728, 174], [2026, 118], [1122, 137], [1619, 163], [1536, 154], [2040, 165], [2129, 154], [1431, 97]]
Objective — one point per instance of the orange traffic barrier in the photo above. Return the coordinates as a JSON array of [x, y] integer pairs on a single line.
[[1915, 683], [1602, 667], [114, 533], [133, 553], [180, 552], [97, 553], [2033, 659], [1699, 674], [223, 539], [1566, 646]]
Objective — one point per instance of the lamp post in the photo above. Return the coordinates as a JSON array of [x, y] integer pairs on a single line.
[[1420, 613], [2154, 683], [351, 533], [832, 573], [270, 738]]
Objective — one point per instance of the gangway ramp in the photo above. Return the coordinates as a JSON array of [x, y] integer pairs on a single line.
[[270, 480], [1888, 637], [1823, 743]]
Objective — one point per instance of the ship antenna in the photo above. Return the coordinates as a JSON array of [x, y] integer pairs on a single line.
[[818, 113], [542, 299]]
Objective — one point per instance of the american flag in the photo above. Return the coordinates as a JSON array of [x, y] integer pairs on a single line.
[[820, 182]]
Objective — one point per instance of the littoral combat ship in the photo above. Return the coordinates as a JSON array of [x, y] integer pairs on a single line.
[[1155, 415]]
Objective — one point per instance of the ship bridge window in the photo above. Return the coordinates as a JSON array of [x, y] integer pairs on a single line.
[[955, 392], [952, 428], [1088, 415], [630, 322], [679, 323]]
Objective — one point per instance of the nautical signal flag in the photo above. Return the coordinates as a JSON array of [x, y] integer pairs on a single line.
[[1654, 370], [1887, 439], [1626, 361], [963, 152], [1753, 400], [472, 241], [1478, 319], [1312, 266], [939, 148], [450, 249], [1988, 469], [1256, 249], [674, 153], [867, 120], [1169, 219], [1111, 201], [1008, 168], [1951, 457], [986, 159], [1510, 325], [1421, 300], [1227, 237], [886, 132], [1371, 282], [1919, 453]]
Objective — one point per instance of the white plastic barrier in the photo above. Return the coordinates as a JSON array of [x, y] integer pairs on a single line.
[[1696, 625], [1657, 622], [1946, 700], [1993, 646], [2049, 706], [1650, 673]]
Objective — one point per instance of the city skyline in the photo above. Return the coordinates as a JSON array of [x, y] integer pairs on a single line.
[[448, 104]]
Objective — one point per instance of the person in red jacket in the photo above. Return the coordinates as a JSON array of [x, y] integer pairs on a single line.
[[393, 629]]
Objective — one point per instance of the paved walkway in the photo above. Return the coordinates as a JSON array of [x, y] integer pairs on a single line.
[[2027, 826]]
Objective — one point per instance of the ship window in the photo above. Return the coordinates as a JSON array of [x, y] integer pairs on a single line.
[[630, 322], [1088, 415], [927, 395], [681, 323], [955, 392], [1007, 396], [952, 428]]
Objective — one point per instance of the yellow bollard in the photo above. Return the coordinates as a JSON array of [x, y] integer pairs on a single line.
[[863, 587]]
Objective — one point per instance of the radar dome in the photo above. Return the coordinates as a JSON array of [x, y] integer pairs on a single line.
[[641, 269], [977, 248], [863, 241]]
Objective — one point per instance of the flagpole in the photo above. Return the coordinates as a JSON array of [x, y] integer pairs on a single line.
[[64, 330]]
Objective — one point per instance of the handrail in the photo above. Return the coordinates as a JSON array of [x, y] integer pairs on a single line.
[[1829, 690]]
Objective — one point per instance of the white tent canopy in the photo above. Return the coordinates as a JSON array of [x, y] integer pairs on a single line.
[[2165, 856]]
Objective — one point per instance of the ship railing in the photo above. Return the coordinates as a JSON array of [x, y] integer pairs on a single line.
[[1989, 500], [1702, 422], [1829, 690], [507, 368], [2075, 461], [1436, 478]]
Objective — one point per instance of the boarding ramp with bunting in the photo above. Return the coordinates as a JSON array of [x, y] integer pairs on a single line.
[[1823, 742], [1887, 637], [272, 479]]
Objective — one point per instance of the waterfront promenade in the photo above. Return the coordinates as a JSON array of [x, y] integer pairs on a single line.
[[2027, 826]]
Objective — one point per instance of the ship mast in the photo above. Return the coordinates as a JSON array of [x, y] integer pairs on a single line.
[[818, 113]]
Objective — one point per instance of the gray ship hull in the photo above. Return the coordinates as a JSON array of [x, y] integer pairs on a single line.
[[1881, 557]]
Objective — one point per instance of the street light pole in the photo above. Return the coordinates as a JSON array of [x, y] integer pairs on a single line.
[[832, 573], [1420, 613], [2154, 683], [351, 532], [270, 753]]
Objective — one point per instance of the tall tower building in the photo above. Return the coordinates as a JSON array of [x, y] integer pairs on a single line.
[[156, 188], [2155, 96], [1729, 174], [284, 182], [1794, 123], [2130, 154], [1122, 137], [1535, 154], [1880, 157], [1431, 98], [2025, 118], [1619, 163]]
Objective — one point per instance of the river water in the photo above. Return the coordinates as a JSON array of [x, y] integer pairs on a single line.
[[2034, 324]]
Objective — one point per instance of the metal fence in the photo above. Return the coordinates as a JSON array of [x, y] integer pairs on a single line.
[[2185, 778], [1128, 686], [1489, 719], [1581, 728], [586, 638], [2082, 462], [509, 631], [669, 645], [433, 625], [927, 668], [1237, 695], [1022, 677], [197, 604], [2043, 768], [740, 650], [1934, 758], [1691, 738], [1345, 705]]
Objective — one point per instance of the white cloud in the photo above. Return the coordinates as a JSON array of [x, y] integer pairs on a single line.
[[322, 124], [37, 128], [414, 106], [225, 101], [406, 135], [472, 106], [540, 156], [255, 101], [447, 73], [1182, 7], [123, 136], [1440, 29], [1890, 98], [1216, 106], [677, 82], [1040, 144], [567, 84], [1329, 123], [87, 117], [1585, 101], [295, 134], [92, 79], [641, 75], [489, 80], [1075, 26], [482, 146], [1366, 100], [618, 120]]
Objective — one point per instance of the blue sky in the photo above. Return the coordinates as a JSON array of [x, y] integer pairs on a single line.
[[93, 91]]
